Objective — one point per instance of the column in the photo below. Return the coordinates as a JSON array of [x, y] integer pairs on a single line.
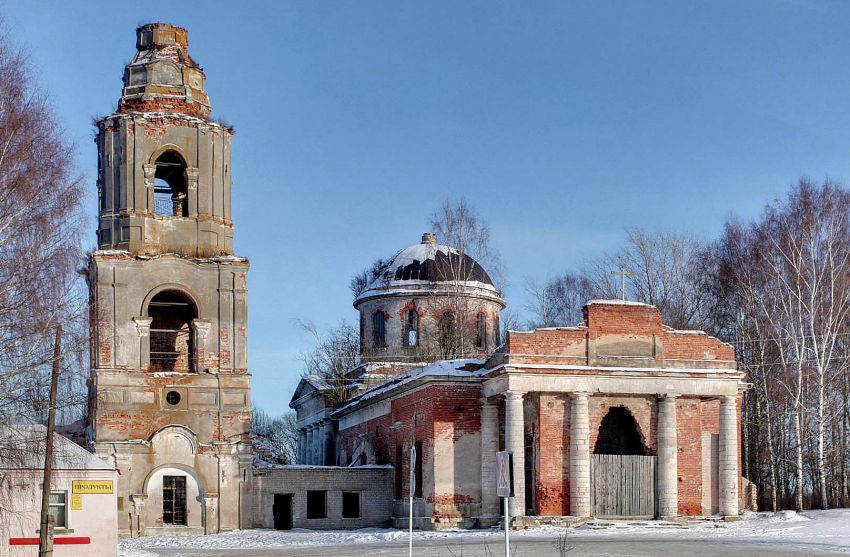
[[302, 446], [143, 328], [309, 459], [138, 525], [668, 463], [320, 441], [192, 193], [200, 332], [211, 518], [328, 443], [315, 458], [579, 455], [728, 457], [515, 443], [489, 446]]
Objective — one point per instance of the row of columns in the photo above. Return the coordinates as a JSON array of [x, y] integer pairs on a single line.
[[579, 455], [315, 444]]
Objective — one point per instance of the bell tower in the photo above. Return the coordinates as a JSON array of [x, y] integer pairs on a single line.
[[169, 394]]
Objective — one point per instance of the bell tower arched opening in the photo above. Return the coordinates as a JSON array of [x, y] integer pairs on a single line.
[[170, 188], [172, 346], [619, 434]]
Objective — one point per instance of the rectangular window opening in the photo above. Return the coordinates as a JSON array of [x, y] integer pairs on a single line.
[[58, 509], [317, 504], [350, 504], [399, 472], [417, 471], [174, 500]]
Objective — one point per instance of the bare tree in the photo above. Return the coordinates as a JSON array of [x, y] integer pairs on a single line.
[[457, 224], [40, 225], [471, 258], [361, 280], [666, 273], [559, 301], [275, 438], [334, 354], [782, 290]]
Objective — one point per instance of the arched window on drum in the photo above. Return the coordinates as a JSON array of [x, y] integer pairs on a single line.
[[379, 330], [411, 328]]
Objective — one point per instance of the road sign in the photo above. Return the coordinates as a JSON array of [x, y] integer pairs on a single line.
[[504, 474]]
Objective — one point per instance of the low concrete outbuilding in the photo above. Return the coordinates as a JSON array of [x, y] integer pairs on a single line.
[[322, 497]]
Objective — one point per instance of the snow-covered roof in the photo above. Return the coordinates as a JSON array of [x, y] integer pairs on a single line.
[[22, 447], [426, 263], [442, 368]]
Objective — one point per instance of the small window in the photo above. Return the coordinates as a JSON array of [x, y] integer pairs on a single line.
[[411, 328], [174, 500], [172, 398], [481, 331], [350, 504], [58, 508], [417, 471], [379, 330], [317, 504]]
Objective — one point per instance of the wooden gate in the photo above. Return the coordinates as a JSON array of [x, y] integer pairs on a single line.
[[622, 486]]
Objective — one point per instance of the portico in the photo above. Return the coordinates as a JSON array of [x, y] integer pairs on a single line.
[[557, 387]]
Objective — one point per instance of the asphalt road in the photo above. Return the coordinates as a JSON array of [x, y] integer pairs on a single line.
[[532, 547]]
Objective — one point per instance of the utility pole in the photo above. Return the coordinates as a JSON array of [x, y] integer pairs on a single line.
[[45, 538], [412, 491]]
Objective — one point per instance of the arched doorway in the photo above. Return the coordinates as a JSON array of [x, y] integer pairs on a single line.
[[622, 470], [171, 343]]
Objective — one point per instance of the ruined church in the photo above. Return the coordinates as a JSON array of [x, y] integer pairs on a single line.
[[618, 416]]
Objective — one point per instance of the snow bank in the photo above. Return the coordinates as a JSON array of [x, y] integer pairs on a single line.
[[812, 530]]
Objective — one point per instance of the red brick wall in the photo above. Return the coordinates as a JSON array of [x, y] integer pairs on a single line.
[[608, 319], [568, 345], [420, 416], [552, 492]]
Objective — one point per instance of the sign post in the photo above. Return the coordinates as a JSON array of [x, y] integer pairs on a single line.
[[505, 490], [412, 491]]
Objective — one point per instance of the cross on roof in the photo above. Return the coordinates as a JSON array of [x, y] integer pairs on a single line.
[[623, 273]]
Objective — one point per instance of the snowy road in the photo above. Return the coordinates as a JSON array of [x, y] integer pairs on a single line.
[[476, 547], [784, 534]]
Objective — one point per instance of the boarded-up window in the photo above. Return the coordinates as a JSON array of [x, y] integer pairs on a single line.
[[317, 504], [174, 500], [350, 504]]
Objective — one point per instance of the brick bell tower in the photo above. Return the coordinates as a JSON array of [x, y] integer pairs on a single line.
[[169, 394]]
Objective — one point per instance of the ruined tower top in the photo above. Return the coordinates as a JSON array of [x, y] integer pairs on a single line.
[[162, 77]]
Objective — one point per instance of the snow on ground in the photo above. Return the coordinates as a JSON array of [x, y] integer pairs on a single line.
[[827, 530]]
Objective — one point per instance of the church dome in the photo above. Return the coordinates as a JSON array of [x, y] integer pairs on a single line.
[[428, 265]]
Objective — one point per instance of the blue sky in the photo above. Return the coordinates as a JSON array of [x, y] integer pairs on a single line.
[[563, 123]]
